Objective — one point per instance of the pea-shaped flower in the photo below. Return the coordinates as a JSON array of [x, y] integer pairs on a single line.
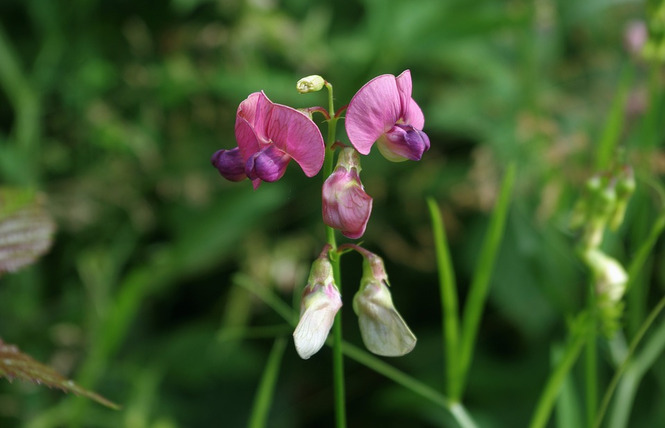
[[383, 112], [382, 328], [269, 135], [320, 302], [346, 206]]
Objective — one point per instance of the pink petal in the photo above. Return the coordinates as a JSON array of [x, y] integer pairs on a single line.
[[250, 119], [410, 111], [248, 143], [299, 137], [373, 110]]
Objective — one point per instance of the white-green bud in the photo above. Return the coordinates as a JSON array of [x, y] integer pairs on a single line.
[[311, 83]]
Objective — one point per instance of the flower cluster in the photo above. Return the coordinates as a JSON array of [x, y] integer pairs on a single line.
[[270, 135], [603, 205]]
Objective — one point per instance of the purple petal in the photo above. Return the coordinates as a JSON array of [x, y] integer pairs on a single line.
[[268, 164], [403, 142], [230, 164], [295, 134], [373, 110]]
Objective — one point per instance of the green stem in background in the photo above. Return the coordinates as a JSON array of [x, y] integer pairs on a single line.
[[546, 403], [591, 361], [448, 290], [473, 309], [338, 357], [625, 365], [266, 390], [614, 124]]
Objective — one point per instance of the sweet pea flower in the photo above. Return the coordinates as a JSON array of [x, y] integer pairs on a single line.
[[346, 206], [320, 302], [382, 328], [269, 135], [383, 112]]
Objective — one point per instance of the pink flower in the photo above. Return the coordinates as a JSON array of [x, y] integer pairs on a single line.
[[383, 112], [346, 206], [269, 135]]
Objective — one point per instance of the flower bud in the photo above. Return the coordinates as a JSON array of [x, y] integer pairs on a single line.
[[345, 204], [320, 302], [383, 330], [311, 83], [610, 280]]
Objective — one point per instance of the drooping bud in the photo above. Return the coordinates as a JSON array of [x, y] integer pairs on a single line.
[[320, 302], [345, 204], [383, 330], [403, 142], [311, 83]]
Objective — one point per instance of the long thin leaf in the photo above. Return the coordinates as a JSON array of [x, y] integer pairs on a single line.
[[448, 291], [266, 391], [475, 304]]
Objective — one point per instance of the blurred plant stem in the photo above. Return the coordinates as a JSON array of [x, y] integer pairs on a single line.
[[449, 301], [266, 390], [475, 304], [591, 359], [571, 352], [338, 357], [27, 110]]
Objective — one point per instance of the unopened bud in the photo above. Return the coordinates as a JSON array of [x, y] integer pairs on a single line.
[[320, 302], [383, 330], [311, 83]]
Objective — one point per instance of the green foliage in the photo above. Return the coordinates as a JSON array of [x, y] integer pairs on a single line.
[[111, 110]]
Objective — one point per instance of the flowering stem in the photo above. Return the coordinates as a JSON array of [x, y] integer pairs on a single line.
[[338, 357]]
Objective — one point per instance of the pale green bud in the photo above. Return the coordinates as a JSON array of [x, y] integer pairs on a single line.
[[383, 330], [311, 83]]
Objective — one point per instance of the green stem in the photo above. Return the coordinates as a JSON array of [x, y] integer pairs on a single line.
[[475, 303], [625, 364], [338, 357], [544, 407], [591, 366], [266, 391], [448, 290]]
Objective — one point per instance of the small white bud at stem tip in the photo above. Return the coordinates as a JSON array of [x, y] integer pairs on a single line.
[[311, 83]]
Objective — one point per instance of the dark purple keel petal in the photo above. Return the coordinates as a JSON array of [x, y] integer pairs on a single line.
[[268, 164], [403, 142], [230, 164]]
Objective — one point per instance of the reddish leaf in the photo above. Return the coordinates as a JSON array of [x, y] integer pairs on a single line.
[[16, 365]]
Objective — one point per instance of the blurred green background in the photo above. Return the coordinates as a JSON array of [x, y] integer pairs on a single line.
[[112, 109]]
